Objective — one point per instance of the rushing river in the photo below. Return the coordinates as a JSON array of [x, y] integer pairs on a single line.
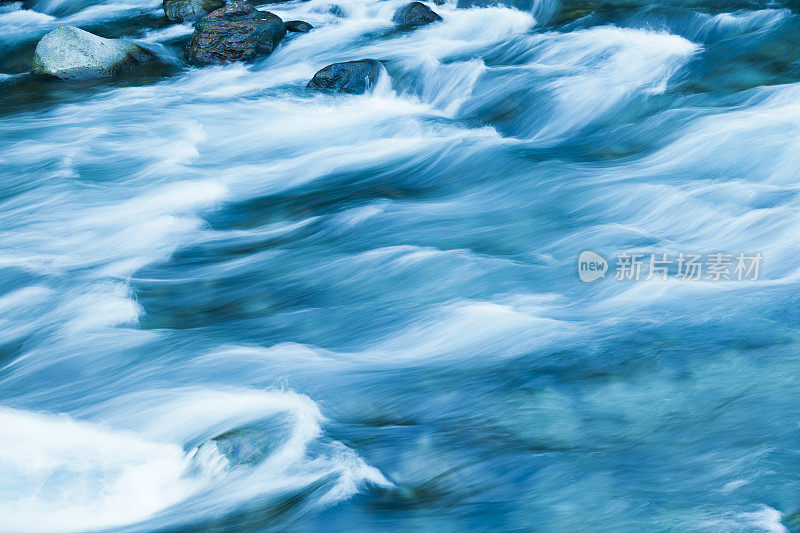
[[230, 303]]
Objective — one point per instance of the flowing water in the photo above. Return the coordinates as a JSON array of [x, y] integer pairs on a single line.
[[229, 303]]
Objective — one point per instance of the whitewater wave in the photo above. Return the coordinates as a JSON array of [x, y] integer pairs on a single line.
[[148, 452]]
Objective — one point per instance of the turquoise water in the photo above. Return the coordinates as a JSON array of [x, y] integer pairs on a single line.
[[228, 303]]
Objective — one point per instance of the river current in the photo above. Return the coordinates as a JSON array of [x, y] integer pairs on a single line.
[[231, 303]]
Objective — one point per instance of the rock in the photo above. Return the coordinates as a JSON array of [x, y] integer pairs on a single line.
[[240, 446], [189, 10], [414, 15], [249, 444], [353, 77], [236, 32], [299, 26], [438, 2], [71, 53]]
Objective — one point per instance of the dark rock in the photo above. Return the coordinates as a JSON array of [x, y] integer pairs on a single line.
[[71, 53], [438, 2], [189, 10], [299, 26], [414, 15], [236, 32], [353, 77]]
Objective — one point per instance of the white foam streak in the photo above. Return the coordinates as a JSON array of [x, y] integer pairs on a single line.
[[595, 71], [63, 475]]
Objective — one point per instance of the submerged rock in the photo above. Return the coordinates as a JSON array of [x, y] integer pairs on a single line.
[[240, 446], [245, 445], [71, 53], [353, 77], [299, 26], [189, 10], [414, 15], [236, 32]]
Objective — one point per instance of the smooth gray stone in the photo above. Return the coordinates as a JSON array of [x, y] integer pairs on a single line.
[[71, 53]]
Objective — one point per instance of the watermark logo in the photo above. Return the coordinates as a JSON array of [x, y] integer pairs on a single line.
[[591, 266], [636, 266]]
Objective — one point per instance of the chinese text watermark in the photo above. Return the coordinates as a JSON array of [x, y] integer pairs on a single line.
[[716, 266]]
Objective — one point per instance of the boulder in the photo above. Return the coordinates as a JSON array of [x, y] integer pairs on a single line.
[[236, 32], [299, 26], [414, 15], [71, 53], [189, 10], [353, 77]]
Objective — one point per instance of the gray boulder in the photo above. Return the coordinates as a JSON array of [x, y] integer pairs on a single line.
[[236, 32], [414, 15], [71, 53], [299, 26], [353, 77], [189, 10]]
